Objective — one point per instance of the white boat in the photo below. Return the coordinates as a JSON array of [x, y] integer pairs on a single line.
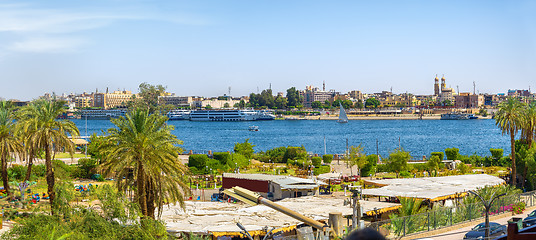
[[342, 115], [265, 115], [178, 114], [223, 115], [254, 128]]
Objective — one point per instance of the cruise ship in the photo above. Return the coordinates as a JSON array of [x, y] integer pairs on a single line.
[[224, 115], [457, 116], [102, 113], [228, 115], [179, 114]]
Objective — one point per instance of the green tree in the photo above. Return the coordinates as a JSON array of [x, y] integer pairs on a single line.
[[9, 143], [38, 120], [208, 107], [372, 103], [327, 104], [293, 97], [483, 112], [295, 153], [347, 104], [370, 166], [280, 102], [398, 160], [226, 105], [452, 153], [433, 165], [316, 104], [440, 155], [141, 149], [359, 104], [245, 148], [93, 147], [357, 157], [316, 161], [327, 158], [528, 123], [149, 98], [242, 104], [508, 119]]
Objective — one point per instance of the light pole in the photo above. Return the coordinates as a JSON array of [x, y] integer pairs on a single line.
[[487, 206]]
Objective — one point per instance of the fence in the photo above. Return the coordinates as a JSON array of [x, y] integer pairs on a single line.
[[448, 216]]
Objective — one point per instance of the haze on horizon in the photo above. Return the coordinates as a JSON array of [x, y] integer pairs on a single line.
[[203, 47]]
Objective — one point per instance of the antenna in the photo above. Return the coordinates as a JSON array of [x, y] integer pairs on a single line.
[[270, 86], [474, 88], [391, 89], [458, 88]]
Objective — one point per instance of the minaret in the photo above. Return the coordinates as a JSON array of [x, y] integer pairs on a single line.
[[324, 86], [443, 85], [436, 86]]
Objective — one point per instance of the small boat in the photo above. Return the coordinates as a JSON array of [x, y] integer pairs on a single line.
[[342, 115], [253, 128]]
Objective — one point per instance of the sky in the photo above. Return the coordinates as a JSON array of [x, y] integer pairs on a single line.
[[202, 48]]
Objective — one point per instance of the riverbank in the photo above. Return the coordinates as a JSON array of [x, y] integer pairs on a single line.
[[374, 117]]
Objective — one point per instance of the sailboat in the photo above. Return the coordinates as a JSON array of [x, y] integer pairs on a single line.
[[342, 115]]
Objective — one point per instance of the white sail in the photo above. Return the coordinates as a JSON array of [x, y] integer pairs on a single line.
[[342, 115]]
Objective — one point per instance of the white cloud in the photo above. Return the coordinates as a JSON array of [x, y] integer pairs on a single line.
[[47, 45], [33, 29]]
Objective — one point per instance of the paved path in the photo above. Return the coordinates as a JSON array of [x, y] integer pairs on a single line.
[[459, 233]]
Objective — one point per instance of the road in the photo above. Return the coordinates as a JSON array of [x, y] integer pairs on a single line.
[[459, 233]]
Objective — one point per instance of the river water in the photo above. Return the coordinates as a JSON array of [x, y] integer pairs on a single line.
[[420, 137]]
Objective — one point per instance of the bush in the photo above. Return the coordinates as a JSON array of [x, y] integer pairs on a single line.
[[370, 166], [276, 154], [238, 160], [38, 170], [405, 174], [222, 157], [17, 172], [61, 170], [496, 153], [198, 161], [441, 155], [452, 153], [383, 168], [245, 148], [327, 158], [295, 153], [86, 167], [317, 161]]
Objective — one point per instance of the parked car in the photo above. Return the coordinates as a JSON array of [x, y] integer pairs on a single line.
[[479, 231], [530, 220]]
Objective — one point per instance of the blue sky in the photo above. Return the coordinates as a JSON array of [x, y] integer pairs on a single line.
[[203, 47]]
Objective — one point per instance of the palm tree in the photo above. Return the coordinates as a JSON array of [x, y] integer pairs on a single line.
[[9, 144], [509, 120], [38, 121], [528, 127], [141, 150]]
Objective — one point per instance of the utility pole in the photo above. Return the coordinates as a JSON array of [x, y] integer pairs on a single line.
[[356, 209], [325, 152], [377, 150], [347, 152]]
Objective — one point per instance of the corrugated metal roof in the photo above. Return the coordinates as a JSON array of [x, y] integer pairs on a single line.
[[430, 187], [286, 182]]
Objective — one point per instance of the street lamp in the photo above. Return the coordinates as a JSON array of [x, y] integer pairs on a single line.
[[487, 206]]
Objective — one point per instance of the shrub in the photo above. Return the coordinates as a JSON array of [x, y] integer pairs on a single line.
[[245, 148], [370, 165], [382, 168], [276, 154], [238, 160], [222, 157], [86, 167], [61, 170], [294, 153], [38, 170], [317, 161], [17, 172], [327, 158], [452, 153], [405, 174], [198, 161], [496, 153], [441, 155]]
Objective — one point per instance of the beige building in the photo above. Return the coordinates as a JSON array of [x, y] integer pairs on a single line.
[[468, 100], [117, 99], [216, 103], [177, 101], [83, 101]]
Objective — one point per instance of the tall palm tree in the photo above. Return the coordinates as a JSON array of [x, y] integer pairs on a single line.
[[528, 127], [9, 144], [509, 120], [141, 150], [45, 132]]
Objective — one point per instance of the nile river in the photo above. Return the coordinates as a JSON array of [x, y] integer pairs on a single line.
[[420, 137]]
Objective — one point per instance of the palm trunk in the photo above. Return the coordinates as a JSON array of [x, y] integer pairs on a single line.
[[142, 199], [30, 164], [513, 153], [150, 198], [5, 179], [50, 177]]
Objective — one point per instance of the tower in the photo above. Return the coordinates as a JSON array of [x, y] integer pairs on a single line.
[[324, 86], [443, 84], [436, 86]]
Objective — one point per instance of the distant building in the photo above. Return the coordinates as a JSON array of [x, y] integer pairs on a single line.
[[312, 94], [117, 99], [82, 101], [468, 100], [357, 95], [99, 100], [178, 101], [274, 187], [518, 93]]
